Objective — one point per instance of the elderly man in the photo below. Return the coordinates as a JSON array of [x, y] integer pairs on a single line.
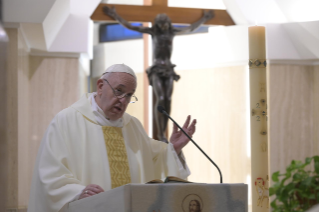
[[94, 146]]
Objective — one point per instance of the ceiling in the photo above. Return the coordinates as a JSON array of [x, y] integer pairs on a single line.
[[65, 25]]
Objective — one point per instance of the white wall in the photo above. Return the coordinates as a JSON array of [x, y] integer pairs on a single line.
[[127, 52], [26, 11]]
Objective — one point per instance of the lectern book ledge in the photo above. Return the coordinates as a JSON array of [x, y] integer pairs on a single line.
[[179, 197], [169, 179]]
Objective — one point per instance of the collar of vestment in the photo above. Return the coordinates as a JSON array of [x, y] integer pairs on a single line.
[[84, 107]]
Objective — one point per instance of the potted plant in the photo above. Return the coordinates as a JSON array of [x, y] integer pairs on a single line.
[[298, 188]]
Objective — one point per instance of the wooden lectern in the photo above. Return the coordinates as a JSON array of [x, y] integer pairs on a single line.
[[167, 197]]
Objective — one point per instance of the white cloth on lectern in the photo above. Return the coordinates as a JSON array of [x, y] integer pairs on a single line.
[[72, 155]]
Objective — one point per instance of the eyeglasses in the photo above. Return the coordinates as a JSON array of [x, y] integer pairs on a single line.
[[119, 94]]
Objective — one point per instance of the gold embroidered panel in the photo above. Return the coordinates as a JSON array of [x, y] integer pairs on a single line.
[[116, 152]]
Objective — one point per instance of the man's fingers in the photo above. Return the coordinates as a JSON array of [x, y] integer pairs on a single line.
[[94, 188], [191, 129], [193, 125], [194, 122], [175, 129], [185, 126], [85, 194], [98, 187], [91, 193], [91, 190]]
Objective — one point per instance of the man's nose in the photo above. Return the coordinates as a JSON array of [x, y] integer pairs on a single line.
[[123, 100]]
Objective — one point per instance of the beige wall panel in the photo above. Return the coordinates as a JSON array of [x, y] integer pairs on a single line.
[[93, 82], [217, 99], [83, 80], [12, 116], [137, 109], [23, 122], [98, 62], [53, 86], [3, 118], [315, 110], [290, 114], [98, 65]]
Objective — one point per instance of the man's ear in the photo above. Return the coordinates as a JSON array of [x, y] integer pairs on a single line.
[[99, 86]]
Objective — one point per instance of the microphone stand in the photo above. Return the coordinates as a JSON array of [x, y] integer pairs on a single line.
[[161, 110]]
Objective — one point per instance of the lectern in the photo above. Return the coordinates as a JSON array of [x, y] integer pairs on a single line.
[[167, 197]]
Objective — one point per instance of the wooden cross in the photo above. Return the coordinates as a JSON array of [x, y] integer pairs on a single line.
[[147, 13]]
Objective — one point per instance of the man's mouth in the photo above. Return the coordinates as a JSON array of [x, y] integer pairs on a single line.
[[118, 108]]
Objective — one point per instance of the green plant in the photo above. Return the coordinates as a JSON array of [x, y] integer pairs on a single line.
[[298, 188]]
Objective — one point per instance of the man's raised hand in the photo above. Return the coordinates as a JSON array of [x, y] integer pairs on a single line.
[[178, 139]]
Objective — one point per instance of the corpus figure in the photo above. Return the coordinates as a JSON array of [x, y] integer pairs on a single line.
[[161, 74]]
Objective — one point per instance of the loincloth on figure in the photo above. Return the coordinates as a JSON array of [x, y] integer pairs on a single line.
[[163, 71]]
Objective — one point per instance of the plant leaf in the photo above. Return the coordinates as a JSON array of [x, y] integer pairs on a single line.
[[312, 196], [272, 191], [308, 181], [297, 189], [316, 159], [297, 177], [275, 176], [292, 166], [273, 204], [288, 175], [308, 160]]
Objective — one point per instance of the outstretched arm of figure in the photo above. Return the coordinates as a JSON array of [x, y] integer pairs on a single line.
[[112, 13], [206, 16]]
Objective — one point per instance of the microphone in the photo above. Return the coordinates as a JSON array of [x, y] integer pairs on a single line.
[[162, 110]]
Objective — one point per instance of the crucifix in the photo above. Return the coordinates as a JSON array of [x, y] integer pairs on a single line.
[[161, 74]]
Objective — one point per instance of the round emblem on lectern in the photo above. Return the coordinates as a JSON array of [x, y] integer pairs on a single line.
[[192, 203]]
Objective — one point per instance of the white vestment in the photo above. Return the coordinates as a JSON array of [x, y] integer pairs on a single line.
[[73, 154]]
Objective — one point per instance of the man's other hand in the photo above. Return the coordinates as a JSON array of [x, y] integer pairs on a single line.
[[178, 139], [91, 190]]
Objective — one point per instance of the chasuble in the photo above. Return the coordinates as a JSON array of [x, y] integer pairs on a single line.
[[76, 151]]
